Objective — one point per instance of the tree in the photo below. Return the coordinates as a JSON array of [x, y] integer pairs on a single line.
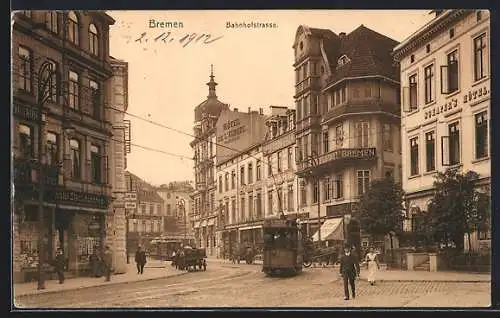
[[459, 207], [381, 208]]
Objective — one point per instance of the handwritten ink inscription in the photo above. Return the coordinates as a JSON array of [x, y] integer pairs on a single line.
[[168, 37]]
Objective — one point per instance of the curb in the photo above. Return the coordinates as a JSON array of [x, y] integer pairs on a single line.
[[427, 281], [87, 287]]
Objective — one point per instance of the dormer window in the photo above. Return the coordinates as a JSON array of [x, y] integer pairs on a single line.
[[343, 60]]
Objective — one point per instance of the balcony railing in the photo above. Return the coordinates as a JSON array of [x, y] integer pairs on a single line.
[[26, 112], [26, 172], [308, 83], [309, 121]]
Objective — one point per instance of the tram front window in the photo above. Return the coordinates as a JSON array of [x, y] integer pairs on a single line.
[[280, 238]]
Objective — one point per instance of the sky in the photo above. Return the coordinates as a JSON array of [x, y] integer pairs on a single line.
[[253, 67]]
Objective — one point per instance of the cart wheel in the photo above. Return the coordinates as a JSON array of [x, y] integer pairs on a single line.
[[307, 263]]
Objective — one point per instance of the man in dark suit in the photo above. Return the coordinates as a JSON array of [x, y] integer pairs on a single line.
[[140, 259], [349, 269]]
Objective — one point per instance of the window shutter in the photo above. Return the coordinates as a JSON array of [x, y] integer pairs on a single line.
[[445, 151], [445, 80], [406, 100]]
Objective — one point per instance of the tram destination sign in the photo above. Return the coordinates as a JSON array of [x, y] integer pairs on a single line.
[[348, 153]]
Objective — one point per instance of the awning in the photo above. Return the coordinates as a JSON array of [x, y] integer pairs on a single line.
[[196, 224], [204, 223], [332, 229], [211, 222]]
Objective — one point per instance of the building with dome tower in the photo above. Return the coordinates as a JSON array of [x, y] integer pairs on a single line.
[[203, 214]]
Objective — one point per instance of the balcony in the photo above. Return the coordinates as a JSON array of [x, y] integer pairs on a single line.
[[28, 113], [26, 172], [309, 121], [338, 156], [307, 84], [354, 107]]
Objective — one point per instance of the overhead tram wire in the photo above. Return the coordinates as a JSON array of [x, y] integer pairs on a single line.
[[238, 152]]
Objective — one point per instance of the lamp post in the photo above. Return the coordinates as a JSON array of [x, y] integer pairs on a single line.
[[44, 91], [181, 206], [314, 158]]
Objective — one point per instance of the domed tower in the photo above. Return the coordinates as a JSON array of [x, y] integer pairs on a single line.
[[204, 214]]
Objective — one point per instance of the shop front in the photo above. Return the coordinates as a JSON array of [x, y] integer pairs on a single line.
[[73, 221]]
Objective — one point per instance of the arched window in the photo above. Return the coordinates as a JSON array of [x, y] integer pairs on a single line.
[[93, 40], [75, 153], [73, 28]]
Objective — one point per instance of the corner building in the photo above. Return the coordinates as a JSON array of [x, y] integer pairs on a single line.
[[347, 122], [76, 135], [445, 79], [204, 210]]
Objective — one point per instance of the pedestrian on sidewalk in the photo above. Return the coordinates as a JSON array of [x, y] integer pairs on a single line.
[[349, 269], [108, 263], [140, 259], [60, 265], [94, 260], [373, 265]]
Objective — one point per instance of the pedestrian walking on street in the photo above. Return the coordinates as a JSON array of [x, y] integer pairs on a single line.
[[60, 265], [140, 259], [349, 269], [373, 265], [107, 262]]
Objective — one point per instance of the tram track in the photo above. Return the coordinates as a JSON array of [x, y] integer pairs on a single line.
[[130, 294]]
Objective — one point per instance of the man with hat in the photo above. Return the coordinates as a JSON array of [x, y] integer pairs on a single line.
[[349, 269]]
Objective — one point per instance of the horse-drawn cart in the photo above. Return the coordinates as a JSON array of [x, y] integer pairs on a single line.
[[192, 259], [328, 255]]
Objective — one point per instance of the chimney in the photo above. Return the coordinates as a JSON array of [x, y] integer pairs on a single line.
[[235, 109], [342, 35], [261, 111], [249, 110]]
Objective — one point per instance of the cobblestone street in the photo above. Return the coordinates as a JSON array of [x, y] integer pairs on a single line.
[[223, 285]]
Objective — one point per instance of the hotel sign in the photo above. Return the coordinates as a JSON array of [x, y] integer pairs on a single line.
[[475, 94], [231, 131], [471, 96], [354, 153]]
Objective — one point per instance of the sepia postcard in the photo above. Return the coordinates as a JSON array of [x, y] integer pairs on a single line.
[[251, 159]]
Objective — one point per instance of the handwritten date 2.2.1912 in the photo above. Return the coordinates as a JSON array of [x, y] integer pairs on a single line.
[[167, 37]]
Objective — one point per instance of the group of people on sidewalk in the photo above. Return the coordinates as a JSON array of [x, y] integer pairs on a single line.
[[350, 269], [98, 264]]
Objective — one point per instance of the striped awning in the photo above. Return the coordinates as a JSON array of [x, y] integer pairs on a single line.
[[332, 229]]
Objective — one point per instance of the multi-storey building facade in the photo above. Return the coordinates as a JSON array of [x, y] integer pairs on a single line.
[[61, 70], [240, 187], [445, 79], [348, 119], [145, 223], [120, 146], [204, 215], [176, 209], [279, 167]]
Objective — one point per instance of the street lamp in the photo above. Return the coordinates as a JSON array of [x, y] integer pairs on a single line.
[[44, 93], [181, 206]]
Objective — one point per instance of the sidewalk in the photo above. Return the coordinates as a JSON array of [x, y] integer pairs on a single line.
[[424, 276], [392, 275], [153, 270], [417, 276]]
